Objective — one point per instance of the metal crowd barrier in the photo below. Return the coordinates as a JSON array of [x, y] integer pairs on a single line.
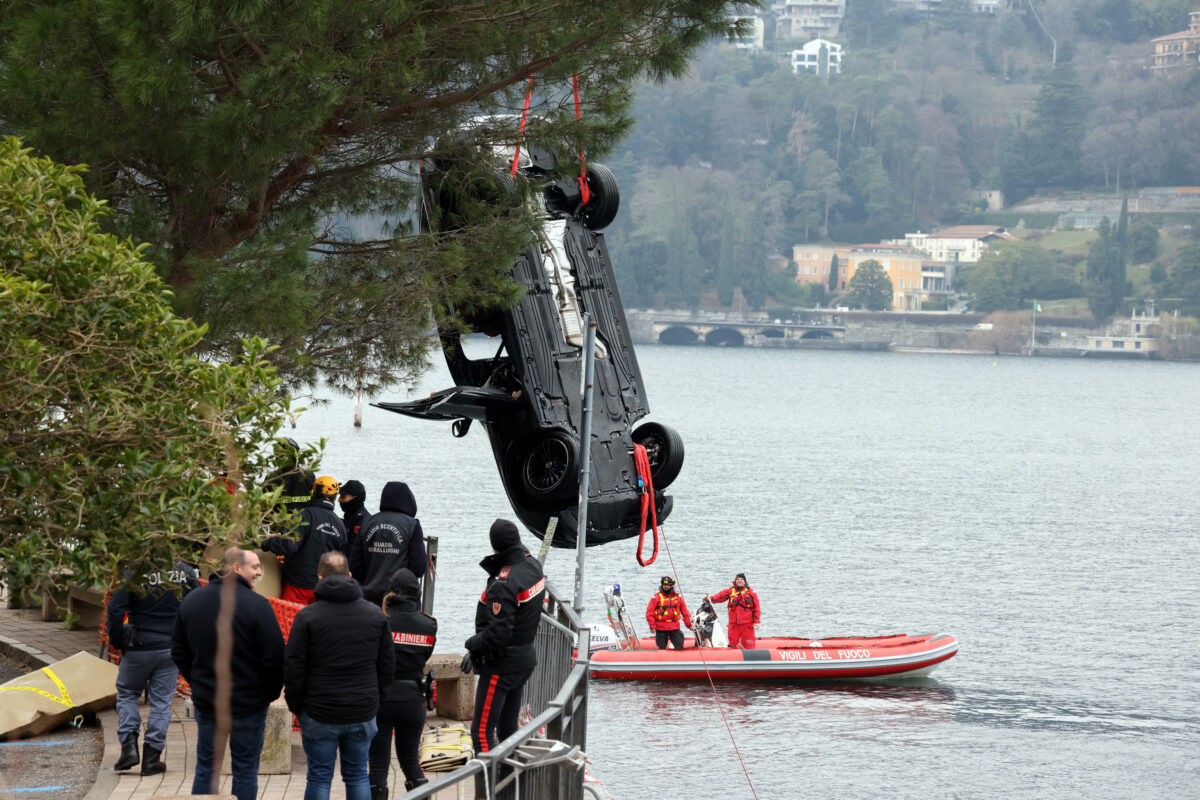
[[545, 758]]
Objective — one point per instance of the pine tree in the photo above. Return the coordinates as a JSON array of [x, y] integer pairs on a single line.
[[1105, 274], [870, 287], [833, 273], [246, 141]]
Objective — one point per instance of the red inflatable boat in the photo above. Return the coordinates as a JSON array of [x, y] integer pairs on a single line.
[[842, 658]]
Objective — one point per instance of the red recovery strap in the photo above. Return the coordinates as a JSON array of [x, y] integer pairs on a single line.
[[521, 130], [583, 185], [642, 462]]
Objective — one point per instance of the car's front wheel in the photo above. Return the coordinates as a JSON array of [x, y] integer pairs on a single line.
[[664, 450], [604, 197]]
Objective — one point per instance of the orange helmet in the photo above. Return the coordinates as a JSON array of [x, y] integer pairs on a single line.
[[325, 486]]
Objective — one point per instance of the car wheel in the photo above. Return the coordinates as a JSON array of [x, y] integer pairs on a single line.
[[547, 467], [604, 199], [664, 449]]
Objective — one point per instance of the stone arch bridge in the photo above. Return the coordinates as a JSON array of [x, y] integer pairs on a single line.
[[719, 333]]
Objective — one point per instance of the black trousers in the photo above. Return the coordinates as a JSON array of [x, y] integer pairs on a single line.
[[675, 637], [497, 707], [403, 710]]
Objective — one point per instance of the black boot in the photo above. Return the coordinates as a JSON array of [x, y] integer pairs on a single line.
[[151, 761], [129, 753], [379, 792], [410, 785]]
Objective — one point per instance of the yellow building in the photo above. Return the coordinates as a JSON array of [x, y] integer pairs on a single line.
[[813, 263], [901, 264], [1178, 50]]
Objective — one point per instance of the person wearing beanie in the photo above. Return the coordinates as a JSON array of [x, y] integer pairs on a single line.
[[664, 613], [319, 532], [744, 611], [414, 634], [353, 501], [506, 623], [388, 541]]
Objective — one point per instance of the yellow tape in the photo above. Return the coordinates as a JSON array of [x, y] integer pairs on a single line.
[[64, 699]]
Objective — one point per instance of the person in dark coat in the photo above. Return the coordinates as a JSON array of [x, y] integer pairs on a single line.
[[506, 623], [413, 635], [256, 665], [390, 539], [319, 532], [339, 661], [353, 502], [146, 665]]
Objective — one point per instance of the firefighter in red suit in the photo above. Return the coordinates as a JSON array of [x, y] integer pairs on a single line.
[[745, 611], [664, 612]]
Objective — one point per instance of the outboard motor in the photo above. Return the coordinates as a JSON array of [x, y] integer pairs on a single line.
[[707, 627]]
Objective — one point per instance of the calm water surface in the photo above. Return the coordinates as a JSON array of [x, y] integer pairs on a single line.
[[1043, 511]]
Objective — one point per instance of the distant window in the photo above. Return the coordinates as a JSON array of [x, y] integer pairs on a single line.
[[1119, 345], [1137, 345]]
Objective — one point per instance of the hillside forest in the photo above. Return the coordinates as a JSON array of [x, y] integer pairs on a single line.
[[729, 167]]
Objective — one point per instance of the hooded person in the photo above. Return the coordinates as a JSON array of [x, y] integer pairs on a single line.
[[353, 502], [745, 612], [664, 613], [388, 541], [297, 483], [414, 634], [506, 623], [319, 532]]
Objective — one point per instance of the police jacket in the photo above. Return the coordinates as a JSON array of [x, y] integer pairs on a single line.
[[257, 647], [665, 610], [319, 531], [413, 636], [339, 655], [506, 619], [151, 609], [389, 540]]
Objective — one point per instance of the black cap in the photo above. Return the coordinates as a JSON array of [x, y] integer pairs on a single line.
[[504, 535], [355, 489], [741, 575], [403, 582]]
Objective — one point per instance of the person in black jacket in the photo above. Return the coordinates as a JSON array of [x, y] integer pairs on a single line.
[[256, 666], [413, 636], [146, 665], [353, 501], [389, 540], [339, 660], [319, 532], [506, 623], [296, 483]]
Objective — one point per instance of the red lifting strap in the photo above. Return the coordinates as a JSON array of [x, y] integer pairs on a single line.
[[583, 184], [642, 462], [521, 130]]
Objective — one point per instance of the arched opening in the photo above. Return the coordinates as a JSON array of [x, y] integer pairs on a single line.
[[724, 337], [818, 335], [678, 335], [771, 333]]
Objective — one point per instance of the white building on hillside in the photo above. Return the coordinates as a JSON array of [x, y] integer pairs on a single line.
[[804, 19], [819, 56], [961, 244]]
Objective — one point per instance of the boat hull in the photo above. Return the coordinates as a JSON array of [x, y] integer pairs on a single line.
[[783, 658]]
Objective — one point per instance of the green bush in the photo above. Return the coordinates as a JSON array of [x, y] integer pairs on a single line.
[[112, 432]]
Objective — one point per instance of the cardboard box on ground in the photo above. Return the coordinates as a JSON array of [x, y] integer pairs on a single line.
[[36, 702]]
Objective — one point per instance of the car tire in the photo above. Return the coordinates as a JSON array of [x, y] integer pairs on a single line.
[[604, 197], [547, 469], [664, 448]]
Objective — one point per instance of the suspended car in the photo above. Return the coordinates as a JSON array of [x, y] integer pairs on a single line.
[[528, 394]]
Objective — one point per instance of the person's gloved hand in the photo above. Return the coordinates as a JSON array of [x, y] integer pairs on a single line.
[[467, 665]]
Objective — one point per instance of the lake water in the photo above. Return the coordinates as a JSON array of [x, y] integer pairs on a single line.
[[1043, 511]]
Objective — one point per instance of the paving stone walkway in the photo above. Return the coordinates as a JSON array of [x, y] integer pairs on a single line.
[[26, 638]]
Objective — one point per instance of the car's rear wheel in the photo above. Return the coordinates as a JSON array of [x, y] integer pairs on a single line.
[[604, 197], [664, 450], [547, 468]]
